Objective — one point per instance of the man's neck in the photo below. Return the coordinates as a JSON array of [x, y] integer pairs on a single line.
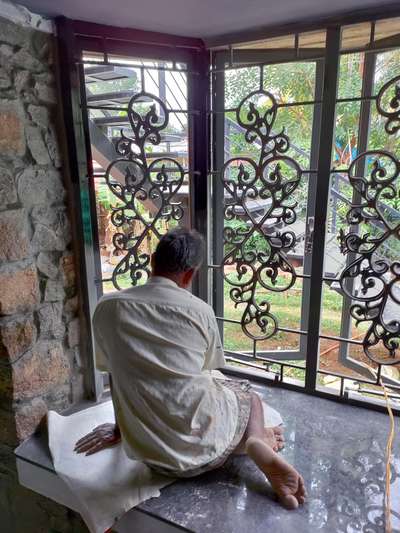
[[175, 278]]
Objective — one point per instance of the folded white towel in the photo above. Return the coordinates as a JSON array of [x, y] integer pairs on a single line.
[[106, 484]]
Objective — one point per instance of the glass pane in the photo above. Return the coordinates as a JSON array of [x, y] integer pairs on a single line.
[[346, 134], [290, 82], [265, 205], [312, 39], [356, 35], [239, 83], [285, 41], [144, 189], [387, 67], [350, 75], [386, 28]]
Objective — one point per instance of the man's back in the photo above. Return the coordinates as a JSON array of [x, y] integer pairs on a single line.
[[158, 341]]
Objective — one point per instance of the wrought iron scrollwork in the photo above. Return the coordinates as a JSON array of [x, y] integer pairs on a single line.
[[377, 280], [254, 258], [388, 104], [136, 183]]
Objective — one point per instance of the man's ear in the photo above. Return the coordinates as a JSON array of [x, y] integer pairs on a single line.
[[187, 276]]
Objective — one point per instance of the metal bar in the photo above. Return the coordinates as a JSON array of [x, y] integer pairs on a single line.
[[340, 339], [320, 392], [247, 357], [198, 91], [331, 69], [218, 125], [125, 109], [305, 301], [133, 36], [285, 330], [138, 66], [356, 99]]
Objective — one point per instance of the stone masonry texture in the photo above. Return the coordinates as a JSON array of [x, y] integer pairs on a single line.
[[41, 366]]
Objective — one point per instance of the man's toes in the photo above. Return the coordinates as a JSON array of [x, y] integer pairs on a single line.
[[302, 488], [289, 501]]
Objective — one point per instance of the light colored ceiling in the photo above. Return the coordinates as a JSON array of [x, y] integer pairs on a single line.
[[196, 18]]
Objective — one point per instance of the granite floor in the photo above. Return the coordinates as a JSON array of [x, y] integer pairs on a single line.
[[339, 450]]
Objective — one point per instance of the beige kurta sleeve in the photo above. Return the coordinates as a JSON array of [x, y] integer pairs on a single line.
[[214, 357], [100, 358]]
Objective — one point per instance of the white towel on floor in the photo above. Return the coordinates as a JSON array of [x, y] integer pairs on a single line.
[[106, 484]]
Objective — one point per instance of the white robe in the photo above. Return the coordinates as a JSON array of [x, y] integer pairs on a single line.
[[159, 343]]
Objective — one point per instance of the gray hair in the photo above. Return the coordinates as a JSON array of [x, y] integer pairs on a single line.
[[178, 251]]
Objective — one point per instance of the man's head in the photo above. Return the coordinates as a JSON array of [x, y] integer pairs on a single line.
[[178, 255]]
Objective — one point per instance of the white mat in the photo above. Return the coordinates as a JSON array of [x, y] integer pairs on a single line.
[[106, 484]]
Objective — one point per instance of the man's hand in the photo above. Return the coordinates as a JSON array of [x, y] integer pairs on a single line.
[[101, 437]]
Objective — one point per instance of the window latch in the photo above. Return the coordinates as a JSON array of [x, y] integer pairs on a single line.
[[308, 243]]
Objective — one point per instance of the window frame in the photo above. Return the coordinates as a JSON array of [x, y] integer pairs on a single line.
[[76, 36]]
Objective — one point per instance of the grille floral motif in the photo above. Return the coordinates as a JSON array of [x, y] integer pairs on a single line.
[[269, 184], [377, 279], [136, 182]]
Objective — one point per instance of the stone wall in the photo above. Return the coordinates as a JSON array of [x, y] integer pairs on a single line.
[[39, 324]]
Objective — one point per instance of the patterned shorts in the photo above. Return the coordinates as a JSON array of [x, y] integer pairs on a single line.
[[242, 390]]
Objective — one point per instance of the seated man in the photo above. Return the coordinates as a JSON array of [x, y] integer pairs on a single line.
[[159, 343]]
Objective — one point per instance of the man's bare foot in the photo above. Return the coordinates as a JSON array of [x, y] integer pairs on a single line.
[[274, 438], [285, 480]]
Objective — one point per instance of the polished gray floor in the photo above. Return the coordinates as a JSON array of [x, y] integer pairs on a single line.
[[339, 450]]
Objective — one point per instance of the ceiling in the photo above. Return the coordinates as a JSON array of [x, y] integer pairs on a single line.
[[196, 18]]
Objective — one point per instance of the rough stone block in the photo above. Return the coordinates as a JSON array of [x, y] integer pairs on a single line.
[[16, 337], [37, 146], [25, 60], [52, 231], [41, 44], [72, 305], [19, 290], [8, 191], [5, 80], [50, 321], [28, 417], [67, 267], [54, 291], [45, 93], [40, 187], [14, 34], [12, 137], [73, 333], [40, 115], [22, 80], [39, 372], [14, 241], [47, 263], [6, 53], [53, 147]]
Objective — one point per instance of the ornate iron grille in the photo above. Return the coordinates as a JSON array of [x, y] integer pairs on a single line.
[[157, 183], [368, 285], [378, 277], [273, 179]]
